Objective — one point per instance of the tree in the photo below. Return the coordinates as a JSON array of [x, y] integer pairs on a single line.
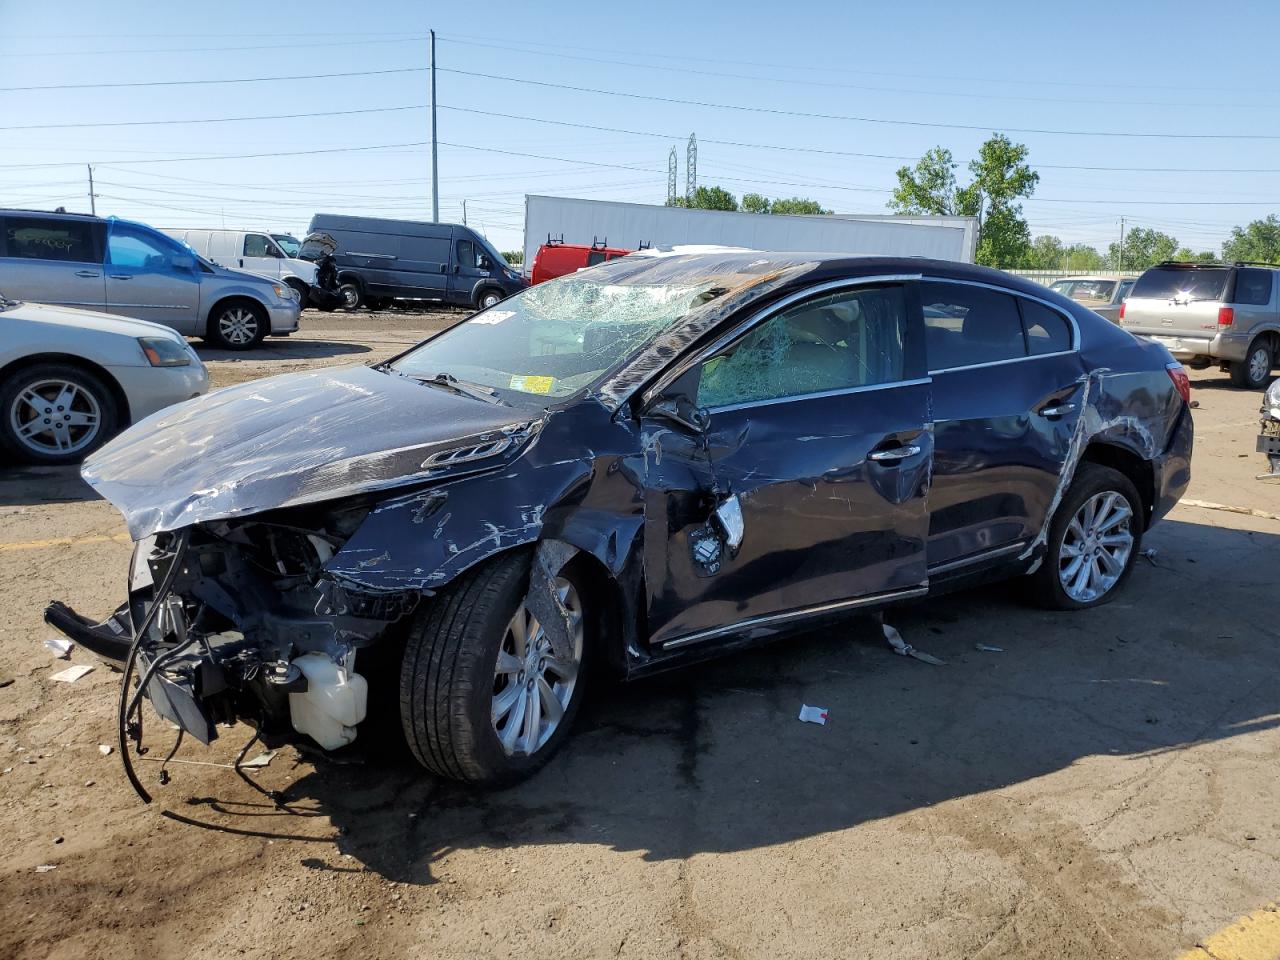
[[1001, 176], [1045, 253], [1082, 257], [1186, 255], [797, 206], [707, 198], [1259, 241], [513, 257], [1142, 248], [755, 203]]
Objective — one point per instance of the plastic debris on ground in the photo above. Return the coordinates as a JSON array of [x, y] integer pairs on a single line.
[[261, 760], [904, 649], [810, 714], [105, 749], [1150, 555], [988, 648], [72, 674], [59, 647], [45, 867]]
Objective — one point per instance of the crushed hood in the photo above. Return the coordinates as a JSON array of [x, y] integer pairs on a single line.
[[288, 440]]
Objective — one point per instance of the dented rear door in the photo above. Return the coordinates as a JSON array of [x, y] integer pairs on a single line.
[[819, 427]]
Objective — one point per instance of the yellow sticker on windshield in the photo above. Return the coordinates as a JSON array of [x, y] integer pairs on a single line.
[[533, 384]]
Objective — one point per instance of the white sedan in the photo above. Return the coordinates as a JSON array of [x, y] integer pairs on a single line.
[[72, 379]]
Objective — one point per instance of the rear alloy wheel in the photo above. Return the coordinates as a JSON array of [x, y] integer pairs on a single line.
[[238, 325], [1252, 372], [55, 414], [1093, 540], [484, 698]]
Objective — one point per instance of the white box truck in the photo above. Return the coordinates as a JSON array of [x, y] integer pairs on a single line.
[[628, 225]]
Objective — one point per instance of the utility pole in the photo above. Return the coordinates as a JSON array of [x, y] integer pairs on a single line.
[[464, 213], [435, 172], [1120, 249], [671, 178], [691, 169], [93, 197]]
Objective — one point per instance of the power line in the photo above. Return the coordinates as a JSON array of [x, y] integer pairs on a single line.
[[277, 47], [164, 123], [849, 118], [191, 83], [230, 156]]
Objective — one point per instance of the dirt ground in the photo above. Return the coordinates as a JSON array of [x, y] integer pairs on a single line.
[[1104, 786]]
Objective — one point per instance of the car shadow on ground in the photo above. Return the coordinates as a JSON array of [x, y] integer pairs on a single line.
[[713, 759], [280, 349], [24, 486]]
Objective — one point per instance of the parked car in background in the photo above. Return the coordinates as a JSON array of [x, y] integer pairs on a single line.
[[1224, 313], [71, 379], [1102, 295], [290, 244], [663, 458], [133, 270], [382, 260], [255, 251], [555, 259]]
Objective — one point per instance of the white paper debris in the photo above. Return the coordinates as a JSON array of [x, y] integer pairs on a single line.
[[72, 674], [59, 646], [810, 714], [104, 749], [988, 648], [261, 760], [904, 649], [45, 867]]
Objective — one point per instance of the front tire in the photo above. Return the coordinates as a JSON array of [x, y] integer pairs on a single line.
[[483, 698], [1094, 539], [302, 290], [1254, 370], [237, 325], [352, 295], [55, 413], [489, 297]]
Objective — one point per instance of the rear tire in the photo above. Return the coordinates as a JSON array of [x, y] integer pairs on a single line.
[[1087, 562], [35, 427], [237, 325], [1254, 370], [451, 687], [352, 294]]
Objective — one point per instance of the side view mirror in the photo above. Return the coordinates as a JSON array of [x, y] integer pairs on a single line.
[[484, 263], [682, 412], [183, 262]]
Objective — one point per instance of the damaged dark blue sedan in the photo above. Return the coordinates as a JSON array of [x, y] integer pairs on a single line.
[[665, 457]]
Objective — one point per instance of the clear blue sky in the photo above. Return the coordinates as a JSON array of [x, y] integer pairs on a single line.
[[1136, 68]]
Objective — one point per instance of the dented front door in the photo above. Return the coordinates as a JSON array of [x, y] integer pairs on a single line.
[[819, 427]]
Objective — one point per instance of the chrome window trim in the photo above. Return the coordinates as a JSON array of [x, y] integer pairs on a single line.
[[992, 554], [790, 615], [1071, 322], [729, 407], [764, 313]]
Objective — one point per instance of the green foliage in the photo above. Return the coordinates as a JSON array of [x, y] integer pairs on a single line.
[[1047, 252], [1142, 248], [1001, 176], [513, 257], [1259, 241], [707, 198], [797, 206], [755, 203], [1187, 255], [1083, 258]]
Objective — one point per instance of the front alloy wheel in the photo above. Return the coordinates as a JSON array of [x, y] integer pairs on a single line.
[[238, 326], [54, 413]]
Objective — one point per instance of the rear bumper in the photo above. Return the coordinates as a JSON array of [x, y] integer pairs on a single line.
[[1172, 469], [1230, 347]]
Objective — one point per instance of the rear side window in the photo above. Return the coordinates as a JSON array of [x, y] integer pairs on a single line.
[[967, 325], [33, 238], [1253, 286], [1047, 330], [1182, 283]]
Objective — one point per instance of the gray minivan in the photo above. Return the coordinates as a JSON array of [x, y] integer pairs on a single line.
[[381, 260], [1204, 313], [131, 269]]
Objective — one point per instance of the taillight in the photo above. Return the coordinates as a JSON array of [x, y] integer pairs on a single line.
[[1181, 382], [1121, 309], [1226, 316]]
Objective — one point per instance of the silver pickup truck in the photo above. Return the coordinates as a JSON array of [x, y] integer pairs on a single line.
[[1205, 313], [132, 270]]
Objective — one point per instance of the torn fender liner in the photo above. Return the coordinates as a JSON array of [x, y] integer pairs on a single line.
[[293, 439], [544, 599]]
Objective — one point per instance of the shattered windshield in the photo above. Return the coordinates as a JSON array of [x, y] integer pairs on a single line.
[[556, 338]]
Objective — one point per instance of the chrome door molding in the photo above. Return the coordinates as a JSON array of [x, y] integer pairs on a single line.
[[976, 558]]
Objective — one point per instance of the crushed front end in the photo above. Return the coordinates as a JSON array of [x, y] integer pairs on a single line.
[[1269, 432], [238, 620]]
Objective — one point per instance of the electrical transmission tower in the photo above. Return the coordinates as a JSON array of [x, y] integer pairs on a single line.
[[691, 169], [671, 178]]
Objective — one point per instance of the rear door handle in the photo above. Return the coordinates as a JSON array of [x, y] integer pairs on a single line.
[[87, 273], [1057, 411], [120, 276], [893, 455]]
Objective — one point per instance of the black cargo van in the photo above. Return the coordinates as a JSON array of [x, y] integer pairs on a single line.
[[381, 260]]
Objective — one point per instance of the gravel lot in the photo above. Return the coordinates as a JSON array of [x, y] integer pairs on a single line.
[[1104, 787]]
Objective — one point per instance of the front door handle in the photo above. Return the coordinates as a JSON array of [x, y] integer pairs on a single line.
[[87, 273], [1057, 411], [893, 455], [120, 276]]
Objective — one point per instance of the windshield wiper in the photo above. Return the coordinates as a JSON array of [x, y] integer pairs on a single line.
[[464, 387]]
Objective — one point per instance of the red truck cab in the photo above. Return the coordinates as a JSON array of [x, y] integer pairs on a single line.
[[556, 259]]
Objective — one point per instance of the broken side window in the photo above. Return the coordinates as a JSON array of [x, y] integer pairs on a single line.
[[840, 341]]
